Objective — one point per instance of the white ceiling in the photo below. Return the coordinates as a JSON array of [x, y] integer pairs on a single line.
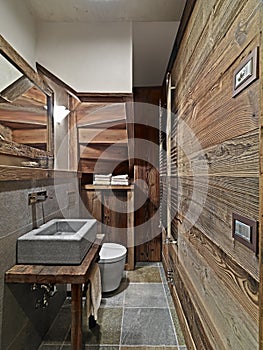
[[152, 42]]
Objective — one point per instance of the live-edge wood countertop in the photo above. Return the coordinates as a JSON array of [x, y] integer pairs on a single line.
[[61, 274], [14, 173]]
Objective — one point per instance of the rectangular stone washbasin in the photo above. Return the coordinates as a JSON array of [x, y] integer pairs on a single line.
[[58, 242]]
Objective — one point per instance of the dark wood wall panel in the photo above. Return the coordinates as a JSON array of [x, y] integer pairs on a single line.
[[147, 231], [215, 158]]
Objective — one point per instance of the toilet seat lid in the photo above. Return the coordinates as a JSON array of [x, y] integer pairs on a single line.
[[111, 252]]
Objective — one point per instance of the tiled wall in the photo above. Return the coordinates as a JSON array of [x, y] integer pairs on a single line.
[[22, 326]]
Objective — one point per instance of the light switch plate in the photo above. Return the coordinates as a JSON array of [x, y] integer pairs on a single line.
[[246, 72], [245, 231]]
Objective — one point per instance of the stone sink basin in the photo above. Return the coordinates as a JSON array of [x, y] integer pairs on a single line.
[[58, 242]]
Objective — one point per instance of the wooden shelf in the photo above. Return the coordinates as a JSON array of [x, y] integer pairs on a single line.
[[16, 173], [111, 187]]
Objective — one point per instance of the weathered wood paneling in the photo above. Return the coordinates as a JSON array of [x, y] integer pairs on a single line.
[[108, 136], [147, 231], [104, 152], [217, 150]]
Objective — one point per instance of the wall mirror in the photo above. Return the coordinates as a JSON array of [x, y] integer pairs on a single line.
[[26, 105]]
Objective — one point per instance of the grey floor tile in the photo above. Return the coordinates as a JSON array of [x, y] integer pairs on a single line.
[[112, 301], [145, 274], [163, 276], [60, 327], [115, 298], [108, 328], [150, 348], [178, 329], [49, 347], [147, 327], [145, 295], [102, 347], [168, 295]]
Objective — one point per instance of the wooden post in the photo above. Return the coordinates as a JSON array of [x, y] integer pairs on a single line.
[[130, 229], [76, 316], [261, 196], [73, 135]]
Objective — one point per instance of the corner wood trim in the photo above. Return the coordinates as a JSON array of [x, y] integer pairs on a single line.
[[180, 313], [189, 6]]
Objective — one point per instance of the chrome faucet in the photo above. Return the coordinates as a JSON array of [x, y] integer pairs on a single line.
[[36, 197]]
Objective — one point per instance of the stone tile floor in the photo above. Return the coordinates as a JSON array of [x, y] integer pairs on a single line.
[[139, 315]]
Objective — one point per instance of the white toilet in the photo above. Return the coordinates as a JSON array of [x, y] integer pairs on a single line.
[[111, 263]]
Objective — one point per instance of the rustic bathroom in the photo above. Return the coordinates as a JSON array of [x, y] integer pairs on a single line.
[[131, 182]]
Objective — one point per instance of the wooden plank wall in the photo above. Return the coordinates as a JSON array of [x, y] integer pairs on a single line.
[[147, 232], [216, 279]]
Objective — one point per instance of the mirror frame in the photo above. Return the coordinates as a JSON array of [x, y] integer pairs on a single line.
[[7, 51]]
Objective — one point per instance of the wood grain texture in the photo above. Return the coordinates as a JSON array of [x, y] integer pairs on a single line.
[[94, 166], [215, 204], [30, 136], [105, 136], [261, 201], [147, 231], [104, 152], [113, 208], [13, 56], [73, 134], [95, 113], [216, 147], [221, 313], [238, 156]]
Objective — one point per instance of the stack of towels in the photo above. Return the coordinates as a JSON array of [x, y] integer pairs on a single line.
[[102, 179], [121, 180]]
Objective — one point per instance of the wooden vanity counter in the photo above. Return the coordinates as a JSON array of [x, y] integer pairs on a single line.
[[76, 275]]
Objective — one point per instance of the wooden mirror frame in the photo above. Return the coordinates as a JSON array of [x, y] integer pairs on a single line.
[[8, 52]]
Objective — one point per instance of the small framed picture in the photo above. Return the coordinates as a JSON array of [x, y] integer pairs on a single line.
[[246, 72]]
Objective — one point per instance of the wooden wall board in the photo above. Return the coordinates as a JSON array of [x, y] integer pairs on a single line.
[[190, 301], [224, 196], [261, 198], [216, 279], [242, 285], [103, 167], [219, 50], [104, 152], [224, 320], [108, 136], [237, 156], [147, 231], [93, 113], [30, 136]]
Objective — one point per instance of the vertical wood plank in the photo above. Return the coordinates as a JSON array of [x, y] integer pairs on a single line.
[[73, 135], [76, 316], [261, 195], [130, 230]]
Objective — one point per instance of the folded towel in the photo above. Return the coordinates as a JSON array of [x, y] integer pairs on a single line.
[[120, 177], [120, 183], [101, 182], [102, 177], [93, 293]]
